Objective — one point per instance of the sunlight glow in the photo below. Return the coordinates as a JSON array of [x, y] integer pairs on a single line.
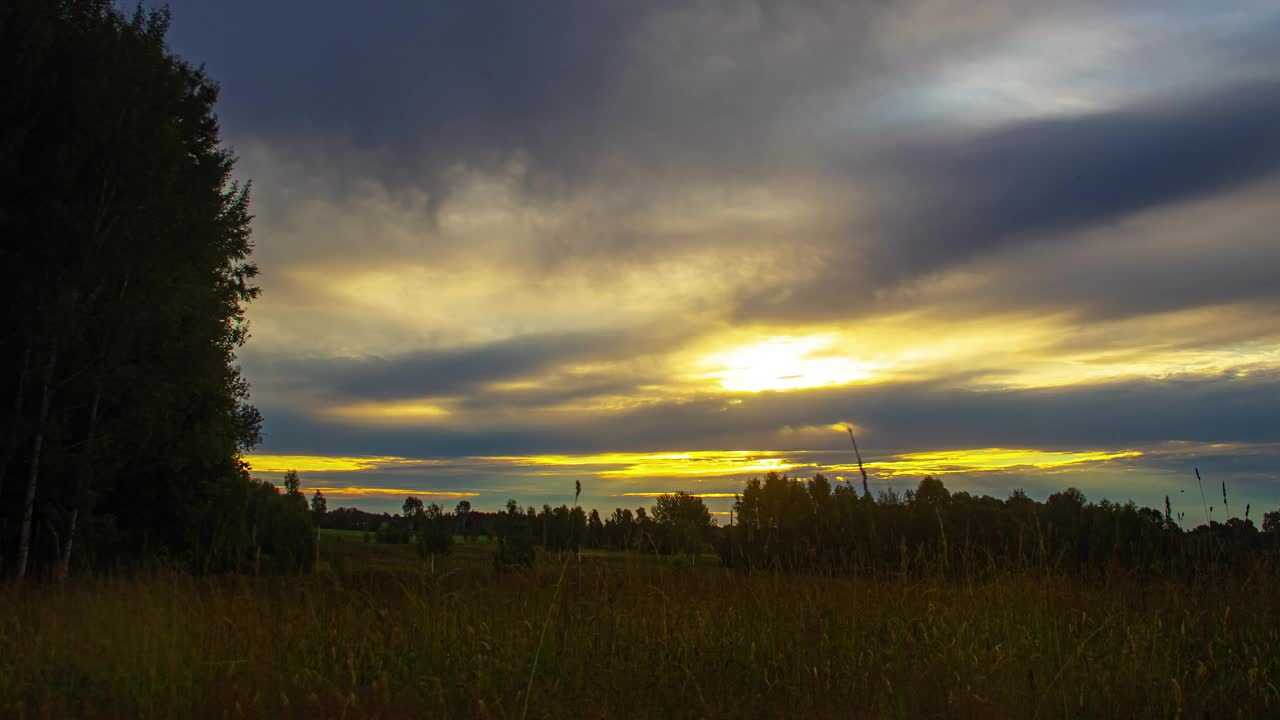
[[396, 411], [785, 363]]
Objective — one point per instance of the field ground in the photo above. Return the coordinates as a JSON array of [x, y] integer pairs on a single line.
[[344, 535], [372, 634], [358, 536]]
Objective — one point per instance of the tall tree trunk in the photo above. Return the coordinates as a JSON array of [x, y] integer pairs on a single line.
[[257, 549], [57, 542], [11, 443], [82, 484], [33, 474], [64, 562]]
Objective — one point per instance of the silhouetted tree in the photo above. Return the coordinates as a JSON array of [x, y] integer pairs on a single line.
[[619, 529], [318, 506], [595, 530], [122, 413], [931, 493], [435, 533], [1271, 522], [684, 521], [645, 537], [515, 540], [786, 524], [412, 507], [462, 515], [292, 483]]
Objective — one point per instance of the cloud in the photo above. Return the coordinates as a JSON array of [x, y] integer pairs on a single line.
[[352, 493], [608, 230], [447, 371], [1143, 475], [956, 199], [894, 418], [1048, 175], [522, 154], [561, 83], [267, 463]]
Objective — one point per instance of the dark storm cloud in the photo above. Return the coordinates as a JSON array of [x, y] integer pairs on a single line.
[[1219, 252], [405, 71], [406, 91], [949, 201], [1043, 176], [288, 430], [418, 86], [1232, 267], [449, 372], [578, 89]]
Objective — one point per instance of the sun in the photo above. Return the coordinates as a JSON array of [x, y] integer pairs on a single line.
[[785, 362]]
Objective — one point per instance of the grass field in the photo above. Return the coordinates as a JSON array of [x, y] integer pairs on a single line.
[[359, 535], [344, 535], [371, 634]]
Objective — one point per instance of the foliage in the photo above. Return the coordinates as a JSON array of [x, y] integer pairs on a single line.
[[318, 506], [355, 519], [286, 532], [292, 482], [563, 529], [434, 532], [685, 523], [389, 533], [122, 413], [251, 527], [515, 540], [791, 525]]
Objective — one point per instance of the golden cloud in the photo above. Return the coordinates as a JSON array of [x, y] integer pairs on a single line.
[[395, 492], [682, 464], [319, 463], [399, 411], [701, 464], [984, 460], [672, 492]]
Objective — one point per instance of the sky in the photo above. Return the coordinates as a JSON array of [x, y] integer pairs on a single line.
[[510, 246]]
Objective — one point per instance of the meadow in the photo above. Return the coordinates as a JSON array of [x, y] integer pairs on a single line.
[[372, 634]]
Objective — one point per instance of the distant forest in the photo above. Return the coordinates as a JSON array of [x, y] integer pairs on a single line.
[[783, 524], [124, 419]]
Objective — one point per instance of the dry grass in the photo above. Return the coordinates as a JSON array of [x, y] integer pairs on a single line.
[[631, 637]]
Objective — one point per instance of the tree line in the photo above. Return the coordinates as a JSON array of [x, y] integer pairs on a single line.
[[789, 524], [676, 523], [784, 524]]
